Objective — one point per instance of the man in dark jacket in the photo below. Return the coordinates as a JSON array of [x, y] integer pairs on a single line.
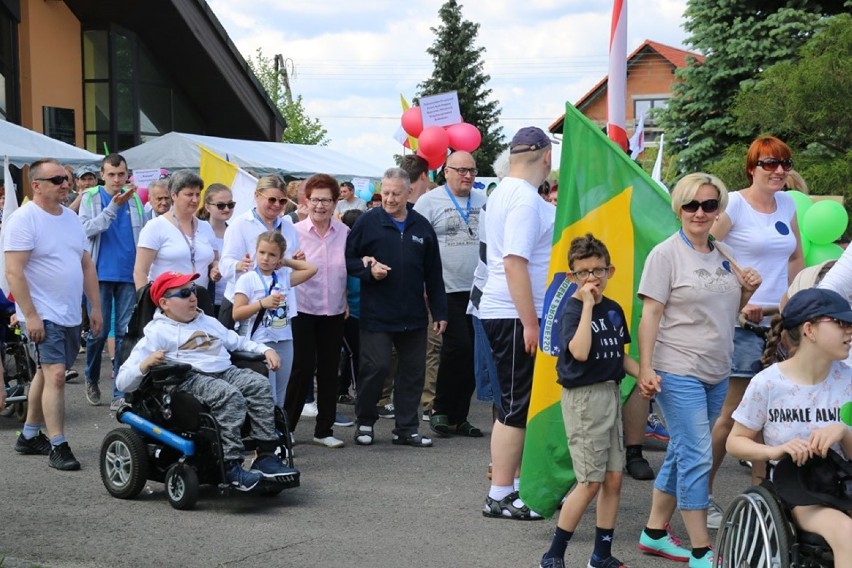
[[393, 250]]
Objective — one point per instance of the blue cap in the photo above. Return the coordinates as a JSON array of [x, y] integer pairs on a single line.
[[812, 303]]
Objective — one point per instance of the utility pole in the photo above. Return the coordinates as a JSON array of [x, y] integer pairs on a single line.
[[281, 69]]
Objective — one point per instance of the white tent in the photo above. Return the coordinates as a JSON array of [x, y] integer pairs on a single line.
[[24, 146], [177, 150]]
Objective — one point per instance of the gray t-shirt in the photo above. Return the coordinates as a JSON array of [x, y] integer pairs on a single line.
[[343, 206], [458, 239], [701, 296]]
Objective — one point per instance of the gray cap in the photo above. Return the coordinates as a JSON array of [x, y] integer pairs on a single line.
[[83, 170]]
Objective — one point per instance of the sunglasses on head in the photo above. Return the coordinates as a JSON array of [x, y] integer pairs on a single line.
[[55, 180], [274, 200], [223, 206], [183, 293], [708, 205], [771, 164]]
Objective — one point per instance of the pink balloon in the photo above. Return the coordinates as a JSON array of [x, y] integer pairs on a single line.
[[433, 141], [464, 137], [412, 122], [436, 161], [142, 192]]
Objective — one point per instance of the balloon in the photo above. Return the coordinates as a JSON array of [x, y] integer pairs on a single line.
[[412, 121], [822, 252], [806, 246], [825, 222], [435, 162], [803, 203], [142, 192], [365, 193], [464, 137], [433, 141]]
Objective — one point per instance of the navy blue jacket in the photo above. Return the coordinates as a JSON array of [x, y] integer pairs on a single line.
[[396, 302]]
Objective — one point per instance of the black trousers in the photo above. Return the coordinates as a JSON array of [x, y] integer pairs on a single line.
[[456, 380], [316, 349], [350, 362]]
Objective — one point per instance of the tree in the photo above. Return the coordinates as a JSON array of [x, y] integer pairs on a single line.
[[740, 38], [458, 66], [301, 128]]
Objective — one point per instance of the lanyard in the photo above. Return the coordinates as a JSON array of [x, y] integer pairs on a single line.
[[689, 243], [274, 280], [275, 224], [465, 215], [190, 242]]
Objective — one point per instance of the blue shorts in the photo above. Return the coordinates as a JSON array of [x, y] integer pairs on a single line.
[[748, 349], [60, 346]]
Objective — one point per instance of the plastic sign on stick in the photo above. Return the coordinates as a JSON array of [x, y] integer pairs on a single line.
[[440, 110]]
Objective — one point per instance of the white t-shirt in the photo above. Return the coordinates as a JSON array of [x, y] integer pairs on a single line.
[[701, 298], [255, 286], [519, 223], [458, 240], [54, 271], [839, 279], [763, 241], [173, 253], [785, 410]]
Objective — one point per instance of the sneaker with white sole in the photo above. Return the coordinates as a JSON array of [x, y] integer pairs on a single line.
[[668, 547], [116, 404], [364, 435], [310, 410], [239, 478], [386, 411], [343, 421], [273, 469], [93, 394], [328, 442], [714, 514]]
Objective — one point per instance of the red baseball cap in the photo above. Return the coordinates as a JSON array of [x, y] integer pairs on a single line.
[[168, 280]]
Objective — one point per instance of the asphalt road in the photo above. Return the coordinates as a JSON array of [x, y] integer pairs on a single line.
[[381, 506]]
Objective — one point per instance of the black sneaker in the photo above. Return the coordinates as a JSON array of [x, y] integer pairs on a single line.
[[38, 445], [640, 469], [93, 394], [386, 411], [62, 458]]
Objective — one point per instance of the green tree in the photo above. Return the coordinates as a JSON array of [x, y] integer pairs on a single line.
[[740, 38], [301, 128], [458, 66]]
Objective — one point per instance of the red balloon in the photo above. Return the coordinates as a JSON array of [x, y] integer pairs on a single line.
[[436, 161], [412, 121], [142, 192], [464, 137], [433, 141]]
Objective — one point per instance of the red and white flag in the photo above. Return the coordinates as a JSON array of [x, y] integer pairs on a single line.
[[637, 141], [617, 80]]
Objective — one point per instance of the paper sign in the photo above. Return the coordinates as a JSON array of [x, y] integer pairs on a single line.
[[441, 109], [143, 177], [360, 184]]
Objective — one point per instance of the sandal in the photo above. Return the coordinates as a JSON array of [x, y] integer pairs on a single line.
[[413, 440], [506, 509], [440, 424], [364, 435], [468, 429]]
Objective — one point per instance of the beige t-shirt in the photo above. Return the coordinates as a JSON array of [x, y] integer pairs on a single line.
[[701, 296]]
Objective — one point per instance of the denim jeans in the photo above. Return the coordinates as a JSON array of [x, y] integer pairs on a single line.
[[690, 407], [485, 370], [124, 296]]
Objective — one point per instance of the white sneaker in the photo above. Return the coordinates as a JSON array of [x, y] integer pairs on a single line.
[[310, 409], [116, 404], [329, 442], [714, 514]]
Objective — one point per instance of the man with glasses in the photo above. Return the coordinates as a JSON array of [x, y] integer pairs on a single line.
[[112, 216], [348, 200], [45, 240], [453, 211]]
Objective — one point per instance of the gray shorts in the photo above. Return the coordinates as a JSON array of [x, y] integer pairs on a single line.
[[592, 416], [60, 346]]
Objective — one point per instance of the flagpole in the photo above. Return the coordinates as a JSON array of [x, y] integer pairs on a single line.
[[617, 79]]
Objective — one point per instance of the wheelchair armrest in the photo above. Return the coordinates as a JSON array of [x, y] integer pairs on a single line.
[[246, 357], [167, 374]]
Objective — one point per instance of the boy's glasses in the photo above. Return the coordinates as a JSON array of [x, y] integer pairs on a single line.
[[599, 272], [771, 164], [183, 293], [708, 205], [845, 325], [222, 206]]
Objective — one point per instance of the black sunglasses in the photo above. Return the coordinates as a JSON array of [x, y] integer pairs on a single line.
[[282, 201], [55, 180], [222, 206], [771, 164], [183, 293], [708, 205]]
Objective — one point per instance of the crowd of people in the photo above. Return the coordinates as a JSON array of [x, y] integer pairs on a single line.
[[406, 306]]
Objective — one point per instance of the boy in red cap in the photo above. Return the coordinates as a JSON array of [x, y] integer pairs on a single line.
[[181, 333]]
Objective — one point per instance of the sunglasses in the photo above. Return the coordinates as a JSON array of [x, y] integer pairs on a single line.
[[282, 201], [183, 293], [708, 205], [771, 164], [55, 180], [843, 324], [223, 206]]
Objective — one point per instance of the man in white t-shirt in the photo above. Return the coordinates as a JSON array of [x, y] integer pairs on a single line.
[[520, 238], [45, 239]]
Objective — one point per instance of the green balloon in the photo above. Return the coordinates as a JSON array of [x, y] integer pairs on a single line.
[[803, 203], [821, 253], [825, 222], [846, 413], [806, 247]]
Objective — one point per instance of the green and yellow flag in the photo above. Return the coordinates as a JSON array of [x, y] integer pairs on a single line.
[[603, 192]]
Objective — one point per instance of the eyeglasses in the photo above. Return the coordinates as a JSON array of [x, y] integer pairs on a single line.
[[320, 201], [771, 164], [55, 180], [183, 293], [598, 272], [708, 205], [464, 171], [845, 325], [274, 200], [223, 206]]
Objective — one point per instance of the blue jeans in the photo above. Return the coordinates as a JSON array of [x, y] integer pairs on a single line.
[[124, 296], [690, 407], [485, 370]]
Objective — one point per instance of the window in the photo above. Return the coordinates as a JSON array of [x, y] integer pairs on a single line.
[[9, 94], [650, 107]]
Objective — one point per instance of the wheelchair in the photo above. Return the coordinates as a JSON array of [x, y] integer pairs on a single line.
[[757, 531], [19, 367], [173, 438]]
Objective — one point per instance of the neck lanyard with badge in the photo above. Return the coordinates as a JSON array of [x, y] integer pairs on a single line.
[[465, 215], [269, 317], [190, 241]]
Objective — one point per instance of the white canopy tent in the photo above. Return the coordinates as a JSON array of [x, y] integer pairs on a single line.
[[177, 150], [23, 146]]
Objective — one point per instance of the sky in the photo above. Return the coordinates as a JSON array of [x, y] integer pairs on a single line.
[[352, 60]]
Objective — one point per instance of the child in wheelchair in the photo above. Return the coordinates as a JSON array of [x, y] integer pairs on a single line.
[[181, 333], [798, 405]]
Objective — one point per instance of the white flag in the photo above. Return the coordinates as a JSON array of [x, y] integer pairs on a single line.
[[10, 207], [637, 141], [658, 165], [243, 188]]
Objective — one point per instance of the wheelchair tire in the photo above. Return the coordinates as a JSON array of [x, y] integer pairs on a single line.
[[21, 411], [754, 533], [124, 463], [182, 486]]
